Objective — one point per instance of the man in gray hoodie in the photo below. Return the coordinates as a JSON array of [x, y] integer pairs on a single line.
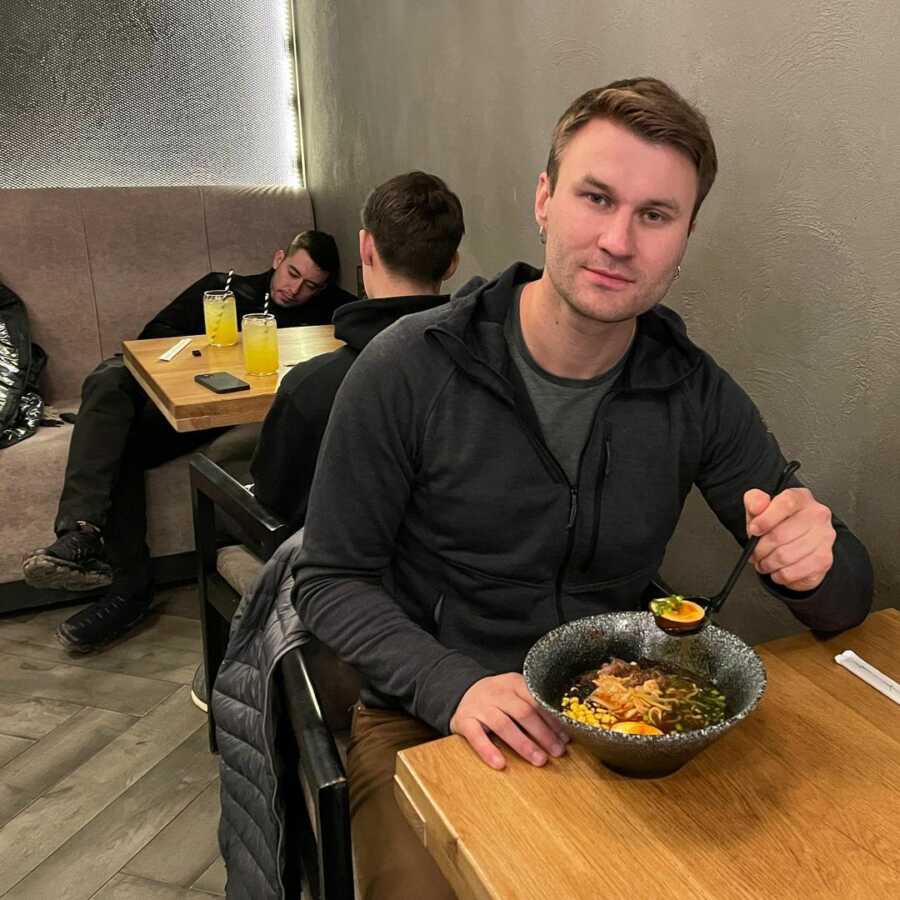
[[528, 450]]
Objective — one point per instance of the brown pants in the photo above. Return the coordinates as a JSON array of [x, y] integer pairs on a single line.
[[391, 862]]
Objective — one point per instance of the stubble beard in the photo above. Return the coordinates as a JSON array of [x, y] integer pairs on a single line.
[[595, 308]]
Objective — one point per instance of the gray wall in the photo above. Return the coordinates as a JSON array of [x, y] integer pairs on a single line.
[[139, 92], [790, 281]]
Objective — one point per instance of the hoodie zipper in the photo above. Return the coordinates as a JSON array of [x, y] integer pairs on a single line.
[[570, 540], [598, 496], [556, 471], [573, 503]]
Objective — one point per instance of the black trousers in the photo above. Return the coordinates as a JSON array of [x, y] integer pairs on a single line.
[[118, 435]]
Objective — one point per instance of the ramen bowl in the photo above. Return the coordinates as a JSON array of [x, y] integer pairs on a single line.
[[716, 655]]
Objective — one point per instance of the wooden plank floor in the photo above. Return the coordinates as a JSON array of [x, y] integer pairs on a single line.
[[107, 787]]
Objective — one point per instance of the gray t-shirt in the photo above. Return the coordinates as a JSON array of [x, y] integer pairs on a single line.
[[565, 407]]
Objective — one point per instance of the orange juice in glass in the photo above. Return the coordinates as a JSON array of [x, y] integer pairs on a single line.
[[220, 318], [259, 334]]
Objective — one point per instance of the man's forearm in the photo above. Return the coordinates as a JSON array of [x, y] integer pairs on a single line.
[[743, 455], [358, 502], [366, 628]]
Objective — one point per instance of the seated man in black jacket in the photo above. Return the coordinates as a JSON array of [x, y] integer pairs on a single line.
[[101, 523], [411, 229], [520, 457]]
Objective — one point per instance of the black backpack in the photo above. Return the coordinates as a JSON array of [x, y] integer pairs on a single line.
[[21, 364]]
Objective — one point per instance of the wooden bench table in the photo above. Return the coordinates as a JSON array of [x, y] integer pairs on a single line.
[[189, 406], [800, 800]]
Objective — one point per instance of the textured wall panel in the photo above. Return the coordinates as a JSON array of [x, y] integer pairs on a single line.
[[145, 92], [146, 224], [791, 278], [247, 243], [44, 258]]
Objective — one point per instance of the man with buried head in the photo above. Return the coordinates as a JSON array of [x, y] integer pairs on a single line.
[[528, 450], [101, 523]]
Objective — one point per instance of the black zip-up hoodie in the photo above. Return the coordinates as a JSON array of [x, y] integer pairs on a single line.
[[443, 538], [285, 457]]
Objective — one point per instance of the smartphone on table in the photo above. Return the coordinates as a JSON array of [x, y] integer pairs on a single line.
[[221, 382]]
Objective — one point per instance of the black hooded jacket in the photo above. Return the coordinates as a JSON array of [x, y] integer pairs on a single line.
[[285, 457], [184, 315], [443, 538]]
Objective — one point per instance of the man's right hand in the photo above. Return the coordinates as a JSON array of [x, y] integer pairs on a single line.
[[502, 705]]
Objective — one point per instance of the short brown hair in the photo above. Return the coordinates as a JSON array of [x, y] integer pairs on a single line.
[[417, 223], [653, 111]]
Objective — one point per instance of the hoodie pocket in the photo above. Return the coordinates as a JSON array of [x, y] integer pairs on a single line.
[[613, 583], [622, 594]]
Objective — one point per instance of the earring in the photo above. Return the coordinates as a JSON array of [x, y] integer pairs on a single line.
[[677, 273], [542, 235]]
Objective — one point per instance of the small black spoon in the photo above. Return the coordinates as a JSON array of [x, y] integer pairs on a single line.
[[712, 605]]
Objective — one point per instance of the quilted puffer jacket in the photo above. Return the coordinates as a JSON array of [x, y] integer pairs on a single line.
[[251, 830], [21, 363]]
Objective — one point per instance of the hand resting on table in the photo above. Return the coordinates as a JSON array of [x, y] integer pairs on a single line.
[[502, 705]]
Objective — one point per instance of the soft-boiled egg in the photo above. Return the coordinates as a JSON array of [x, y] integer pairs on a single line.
[[675, 613], [635, 728]]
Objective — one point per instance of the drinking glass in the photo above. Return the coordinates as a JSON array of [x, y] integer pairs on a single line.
[[220, 318], [260, 340]]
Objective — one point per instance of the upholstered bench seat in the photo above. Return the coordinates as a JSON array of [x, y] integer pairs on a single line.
[[32, 479], [239, 567], [93, 265]]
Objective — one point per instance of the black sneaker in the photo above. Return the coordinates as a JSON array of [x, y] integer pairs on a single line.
[[74, 562], [102, 622], [199, 696]]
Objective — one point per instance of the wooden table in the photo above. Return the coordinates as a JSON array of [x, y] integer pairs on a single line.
[[800, 800], [189, 406]]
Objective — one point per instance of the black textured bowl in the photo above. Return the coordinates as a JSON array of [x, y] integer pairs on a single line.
[[559, 657]]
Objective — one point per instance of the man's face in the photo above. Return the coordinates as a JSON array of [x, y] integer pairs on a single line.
[[296, 279], [618, 222]]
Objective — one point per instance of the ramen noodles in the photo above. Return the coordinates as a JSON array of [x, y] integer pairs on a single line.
[[643, 698]]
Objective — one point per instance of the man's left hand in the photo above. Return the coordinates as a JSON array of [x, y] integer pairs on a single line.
[[796, 537]]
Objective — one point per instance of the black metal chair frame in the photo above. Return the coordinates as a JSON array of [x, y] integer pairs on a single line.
[[262, 533], [318, 829]]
